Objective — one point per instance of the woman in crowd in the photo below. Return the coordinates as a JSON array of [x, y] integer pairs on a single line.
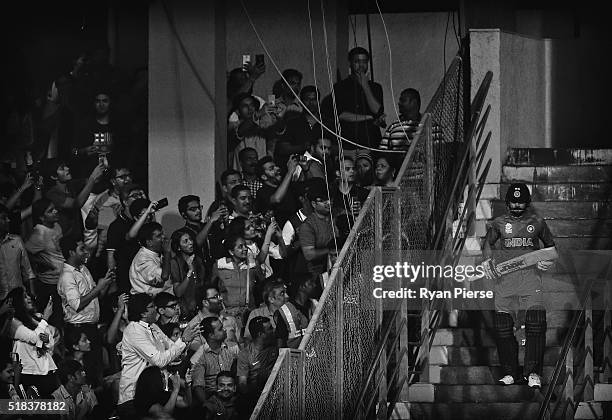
[[363, 165], [187, 271], [384, 171], [237, 277], [33, 340]]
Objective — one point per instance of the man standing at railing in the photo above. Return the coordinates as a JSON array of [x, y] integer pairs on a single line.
[[359, 103], [518, 232]]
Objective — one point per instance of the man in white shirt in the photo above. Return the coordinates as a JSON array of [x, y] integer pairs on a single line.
[[150, 269], [144, 344], [79, 294]]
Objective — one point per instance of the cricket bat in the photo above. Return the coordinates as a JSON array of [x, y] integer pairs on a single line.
[[520, 262]]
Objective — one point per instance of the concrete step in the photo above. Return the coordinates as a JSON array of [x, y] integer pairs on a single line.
[[562, 209], [567, 191], [472, 411], [468, 337], [554, 174], [487, 393], [472, 375], [471, 356], [553, 157]]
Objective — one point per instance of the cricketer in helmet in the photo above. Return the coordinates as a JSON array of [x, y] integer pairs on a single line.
[[518, 199]]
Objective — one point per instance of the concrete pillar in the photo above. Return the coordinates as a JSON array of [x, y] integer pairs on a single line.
[[187, 133]]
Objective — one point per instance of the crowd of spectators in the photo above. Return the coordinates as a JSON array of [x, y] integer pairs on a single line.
[[102, 308]]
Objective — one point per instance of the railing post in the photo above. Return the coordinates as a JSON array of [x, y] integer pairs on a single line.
[[404, 334], [429, 179], [287, 399], [340, 345], [378, 260], [606, 375], [300, 372], [568, 393], [588, 348]]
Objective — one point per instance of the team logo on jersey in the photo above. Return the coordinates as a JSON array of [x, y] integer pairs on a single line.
[[517, 193], [508, 228], [530, 228]]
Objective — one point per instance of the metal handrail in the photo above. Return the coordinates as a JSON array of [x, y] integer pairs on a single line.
[[565, 350]]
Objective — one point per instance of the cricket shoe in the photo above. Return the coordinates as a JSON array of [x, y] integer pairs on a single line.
[[534, 381], [506, 380]]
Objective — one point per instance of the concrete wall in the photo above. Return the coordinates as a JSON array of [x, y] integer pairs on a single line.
[[285, 32], [185, 139], [417, 47]]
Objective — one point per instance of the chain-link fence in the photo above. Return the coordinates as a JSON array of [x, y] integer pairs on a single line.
[[338, 348]]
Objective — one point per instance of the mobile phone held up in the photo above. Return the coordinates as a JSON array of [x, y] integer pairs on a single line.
[[161, 203], [259, 59]]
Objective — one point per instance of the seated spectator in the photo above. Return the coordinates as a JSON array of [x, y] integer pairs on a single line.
[[248, 163], [46, 256], [150, 269], [167, 307], [293, 317], [256, 359], [33, 340], [274, 296], [222, 404], [74, 391], [144, 344], [385, 169], [60, 192], [121, 248], [237, 275], [275, 194], [243, 202], [365, 173], [316, 233], [151, 397], [15, 266], [210, 302], [399, 135], [187, 271], [302, 129], [214, 360]]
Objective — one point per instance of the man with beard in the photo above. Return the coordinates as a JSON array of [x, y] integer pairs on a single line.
[[399, 135], [518, 232], [318, 162], [256, 360], [221, 208], [275, 194], [211, 304], [222, 405], [302, 129]]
